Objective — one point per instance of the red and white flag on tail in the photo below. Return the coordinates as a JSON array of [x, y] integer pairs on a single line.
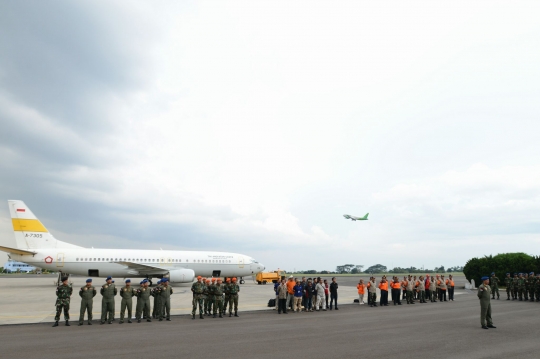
[[21, 210]]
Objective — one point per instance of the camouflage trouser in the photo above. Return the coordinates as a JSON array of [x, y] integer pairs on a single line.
[[508, 292], [62, 304], [86, 306], [520, 293], [233, 299], [526, 293], [226, 302], [531, 294], [515, 291], [409, 296], [433, 296], [197, 300], [372, 298], [126, 303], [209, 303], [218, 304], [494, 289]]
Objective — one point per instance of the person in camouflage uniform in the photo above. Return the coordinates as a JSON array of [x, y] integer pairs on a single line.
[[515, 286], [526, 286], [87, 294], [226, 291], [205, 294], [508, 283], [166, 292], [537, 287], [63, 296], [143, 302], [532, 282], [108, 291], [127, 293], [157, 300], [197, 288], [521, 286], [210, 286], [233, 297], [218, 298], [494, 285]]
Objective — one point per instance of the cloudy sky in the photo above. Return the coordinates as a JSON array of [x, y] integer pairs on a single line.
[[254, 126]]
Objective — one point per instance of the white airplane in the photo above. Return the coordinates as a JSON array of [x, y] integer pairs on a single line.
[[37, 247], [347, 216]]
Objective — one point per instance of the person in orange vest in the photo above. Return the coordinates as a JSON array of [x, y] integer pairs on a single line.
[[438, 286], [383, 286], [372, 292], [396, 289], [450, 284], [427, 286], [433, 290], [361, 291]]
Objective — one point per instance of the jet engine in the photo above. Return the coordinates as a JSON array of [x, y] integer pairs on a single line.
[[182, 275]]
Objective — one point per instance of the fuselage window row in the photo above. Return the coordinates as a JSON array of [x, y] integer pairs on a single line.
[[151, 260]]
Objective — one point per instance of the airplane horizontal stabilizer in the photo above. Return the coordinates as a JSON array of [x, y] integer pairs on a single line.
[[17, 251]]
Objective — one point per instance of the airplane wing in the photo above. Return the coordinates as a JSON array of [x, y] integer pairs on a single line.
[[145, 268], [20, 252]]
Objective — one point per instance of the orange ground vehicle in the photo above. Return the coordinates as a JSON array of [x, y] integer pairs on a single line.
[[265, 277]]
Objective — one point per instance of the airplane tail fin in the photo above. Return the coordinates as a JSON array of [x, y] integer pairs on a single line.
[[30, 233], [365, 217]]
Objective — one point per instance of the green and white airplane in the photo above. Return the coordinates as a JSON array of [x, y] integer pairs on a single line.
[[347, 216]]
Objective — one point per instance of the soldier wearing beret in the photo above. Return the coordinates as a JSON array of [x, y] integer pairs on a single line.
[[126, 293], [63, 296], [233, 297], [509, 284], [108, 291], [197, 288], [166, 292], [87, 294], [494, 285], [143, 302], [218, 298], [484, 294], [157, 300]]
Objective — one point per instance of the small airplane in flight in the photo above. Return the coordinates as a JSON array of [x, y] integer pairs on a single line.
[[347, 216]]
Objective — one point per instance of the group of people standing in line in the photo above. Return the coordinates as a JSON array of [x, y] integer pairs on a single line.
[[306, 295], [410, 289]]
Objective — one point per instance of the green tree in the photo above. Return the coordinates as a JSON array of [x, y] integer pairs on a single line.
[[503, 263], [377, 268]]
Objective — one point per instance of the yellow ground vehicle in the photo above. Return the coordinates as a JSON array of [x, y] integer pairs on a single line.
[[265, 277]]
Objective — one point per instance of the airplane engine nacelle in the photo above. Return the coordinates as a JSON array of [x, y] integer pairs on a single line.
[[181, 275]]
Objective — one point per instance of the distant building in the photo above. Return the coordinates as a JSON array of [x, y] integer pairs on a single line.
[[12, 266]]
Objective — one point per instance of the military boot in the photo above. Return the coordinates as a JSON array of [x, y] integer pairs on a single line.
[[121, 322], [55, 324], [235, 313], [230, 314], [67, 323], [129, 321], [193, 316], [138, 320], [148, 320], [221, 316], [214, 315], [89, 323], [201, 316], [80, 323]]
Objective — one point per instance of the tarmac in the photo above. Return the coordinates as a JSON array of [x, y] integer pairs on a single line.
[[432, 330]]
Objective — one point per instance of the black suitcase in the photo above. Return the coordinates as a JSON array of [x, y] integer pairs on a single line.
[[357, 300], [271, 303]]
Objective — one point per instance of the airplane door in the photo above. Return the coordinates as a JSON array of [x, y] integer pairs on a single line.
[[60, 260], [241, 262]]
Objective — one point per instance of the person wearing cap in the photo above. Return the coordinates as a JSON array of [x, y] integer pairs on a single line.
[[532, 283], [484, 294], [63, 297], [197, 289], [108, 291], [420, 288], [87, 294], [409, 286], [234, 289], [334, 293], [433, 289], [206, 283], [218, 298], [494, 285], [396, 289], [210, 288], [126, 293], [165, 293], [521, 286], [290, 296], [157, 299], [515, 280], [537, 287], [298, 295], [508, 283], [143, 301], [526, 287], [383, 288]]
